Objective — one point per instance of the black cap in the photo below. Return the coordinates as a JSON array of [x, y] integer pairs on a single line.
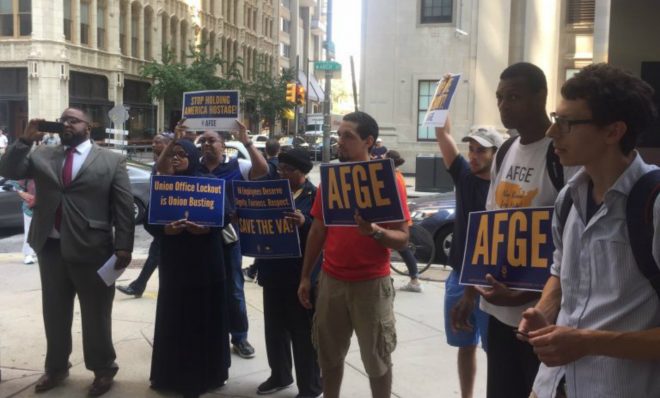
[[298, 158]]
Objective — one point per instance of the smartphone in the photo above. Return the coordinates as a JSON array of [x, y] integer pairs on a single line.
[[50, 127]]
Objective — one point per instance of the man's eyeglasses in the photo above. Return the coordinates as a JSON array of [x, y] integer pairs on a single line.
[[565, 124], [70, 120], [209, 141], [180, 154]]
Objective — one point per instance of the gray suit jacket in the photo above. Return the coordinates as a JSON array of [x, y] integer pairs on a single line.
[[97, 198]]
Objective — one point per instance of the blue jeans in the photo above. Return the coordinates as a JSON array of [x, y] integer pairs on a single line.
[[238, 321], [410, 261]]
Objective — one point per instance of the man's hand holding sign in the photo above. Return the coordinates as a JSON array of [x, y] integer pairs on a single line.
[[508, 249]]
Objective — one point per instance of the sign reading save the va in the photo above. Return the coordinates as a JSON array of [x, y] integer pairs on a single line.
[[197, 199], [211, 109], [368, 187], [263, 230], [513, 245]]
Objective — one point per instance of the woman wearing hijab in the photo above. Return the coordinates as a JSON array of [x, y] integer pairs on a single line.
[[191, 337]]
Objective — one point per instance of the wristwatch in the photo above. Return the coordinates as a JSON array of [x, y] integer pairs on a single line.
[[248, 144], [378, 234]]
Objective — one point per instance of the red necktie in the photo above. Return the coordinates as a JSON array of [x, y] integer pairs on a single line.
[[67, 176]]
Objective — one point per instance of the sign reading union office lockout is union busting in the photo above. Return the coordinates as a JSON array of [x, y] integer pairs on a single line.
[[211, 109], [513, 245], [197, 199], [263, 230], [368, 187]]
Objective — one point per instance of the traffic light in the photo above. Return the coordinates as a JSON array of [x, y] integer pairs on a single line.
[[291, 92], [300, 95]]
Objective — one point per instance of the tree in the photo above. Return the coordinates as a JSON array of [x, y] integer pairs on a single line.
[[265, 95], [171, 79]]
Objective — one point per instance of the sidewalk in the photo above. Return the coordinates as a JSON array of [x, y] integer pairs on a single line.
[[424, 366]]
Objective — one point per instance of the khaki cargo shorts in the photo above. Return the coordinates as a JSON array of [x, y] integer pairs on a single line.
[[366, 307]]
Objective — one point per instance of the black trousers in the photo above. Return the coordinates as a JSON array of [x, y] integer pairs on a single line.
[[512, 364], [60, 283], [289, 325], [153, 259]]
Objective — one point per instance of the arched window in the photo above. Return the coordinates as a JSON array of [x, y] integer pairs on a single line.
[[148, 26], [184, 41], [100, 24], [174, 32], [135, 29]]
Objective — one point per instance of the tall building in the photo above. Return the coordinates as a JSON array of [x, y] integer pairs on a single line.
[[301, 37], [88, 53], [408, 45]]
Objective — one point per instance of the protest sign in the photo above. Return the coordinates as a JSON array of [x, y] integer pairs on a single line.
[[369, 187], [436, 116], [197, 199], [263, 230], [211, 109], [513, 245]]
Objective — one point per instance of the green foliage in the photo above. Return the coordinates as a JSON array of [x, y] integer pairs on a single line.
[[265, 95], [262, 98], [171, 79]]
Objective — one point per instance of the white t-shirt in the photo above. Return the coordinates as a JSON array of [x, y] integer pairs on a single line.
[[3, 141], [523, 181]]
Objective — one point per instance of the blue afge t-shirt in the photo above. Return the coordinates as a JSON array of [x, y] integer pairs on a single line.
[[471, 194]]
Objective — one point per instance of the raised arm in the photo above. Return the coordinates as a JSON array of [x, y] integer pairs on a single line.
[[446, 143], [259, 164], [15, 163]]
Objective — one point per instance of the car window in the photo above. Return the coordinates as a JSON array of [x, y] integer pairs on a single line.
[[261, 138]]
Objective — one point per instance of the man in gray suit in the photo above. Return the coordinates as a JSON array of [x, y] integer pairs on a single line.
[[82, 192]]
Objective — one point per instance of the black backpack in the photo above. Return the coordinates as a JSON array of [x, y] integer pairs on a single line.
[[554, 167], [639, 218]]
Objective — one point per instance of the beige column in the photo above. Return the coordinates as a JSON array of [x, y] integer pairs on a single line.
[[75, 16]]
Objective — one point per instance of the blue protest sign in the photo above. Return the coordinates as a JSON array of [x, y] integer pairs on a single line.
[[513, 245], [369, 187], [211, 109], [262, 228], [198, 199]]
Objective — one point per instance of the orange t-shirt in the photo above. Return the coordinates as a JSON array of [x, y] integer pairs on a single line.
[[350, 256]]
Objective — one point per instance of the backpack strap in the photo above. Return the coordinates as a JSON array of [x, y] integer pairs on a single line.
[[501, 152], [639, 217], [564, 210], [555, 169]]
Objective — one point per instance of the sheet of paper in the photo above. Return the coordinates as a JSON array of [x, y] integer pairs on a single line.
[[438, 109], [108, 272]]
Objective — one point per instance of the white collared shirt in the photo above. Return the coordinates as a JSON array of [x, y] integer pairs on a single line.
[[603, 289], [79, 156]]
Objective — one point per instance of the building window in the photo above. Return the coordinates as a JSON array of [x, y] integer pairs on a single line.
[[286, 25], [15, 18], [122, 30], [285, 50], [424, 96], [68, 22], [148, 24], [135, 30], [581, 12], [84, 22], [436, 11], [100, 24]]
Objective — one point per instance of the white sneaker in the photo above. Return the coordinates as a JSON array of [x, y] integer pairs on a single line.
[[29, 259], [411, 287]]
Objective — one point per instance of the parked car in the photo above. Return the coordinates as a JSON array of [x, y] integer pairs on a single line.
[[292, 141], [316, 146], [11, 215], [436, 214], [260, 142]]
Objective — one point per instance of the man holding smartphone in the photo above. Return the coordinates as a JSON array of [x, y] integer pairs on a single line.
[[83, 191]]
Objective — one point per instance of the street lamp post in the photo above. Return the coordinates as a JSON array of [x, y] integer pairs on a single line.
[[329, 55]]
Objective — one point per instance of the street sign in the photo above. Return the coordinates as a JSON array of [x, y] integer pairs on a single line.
[[327, 65]]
